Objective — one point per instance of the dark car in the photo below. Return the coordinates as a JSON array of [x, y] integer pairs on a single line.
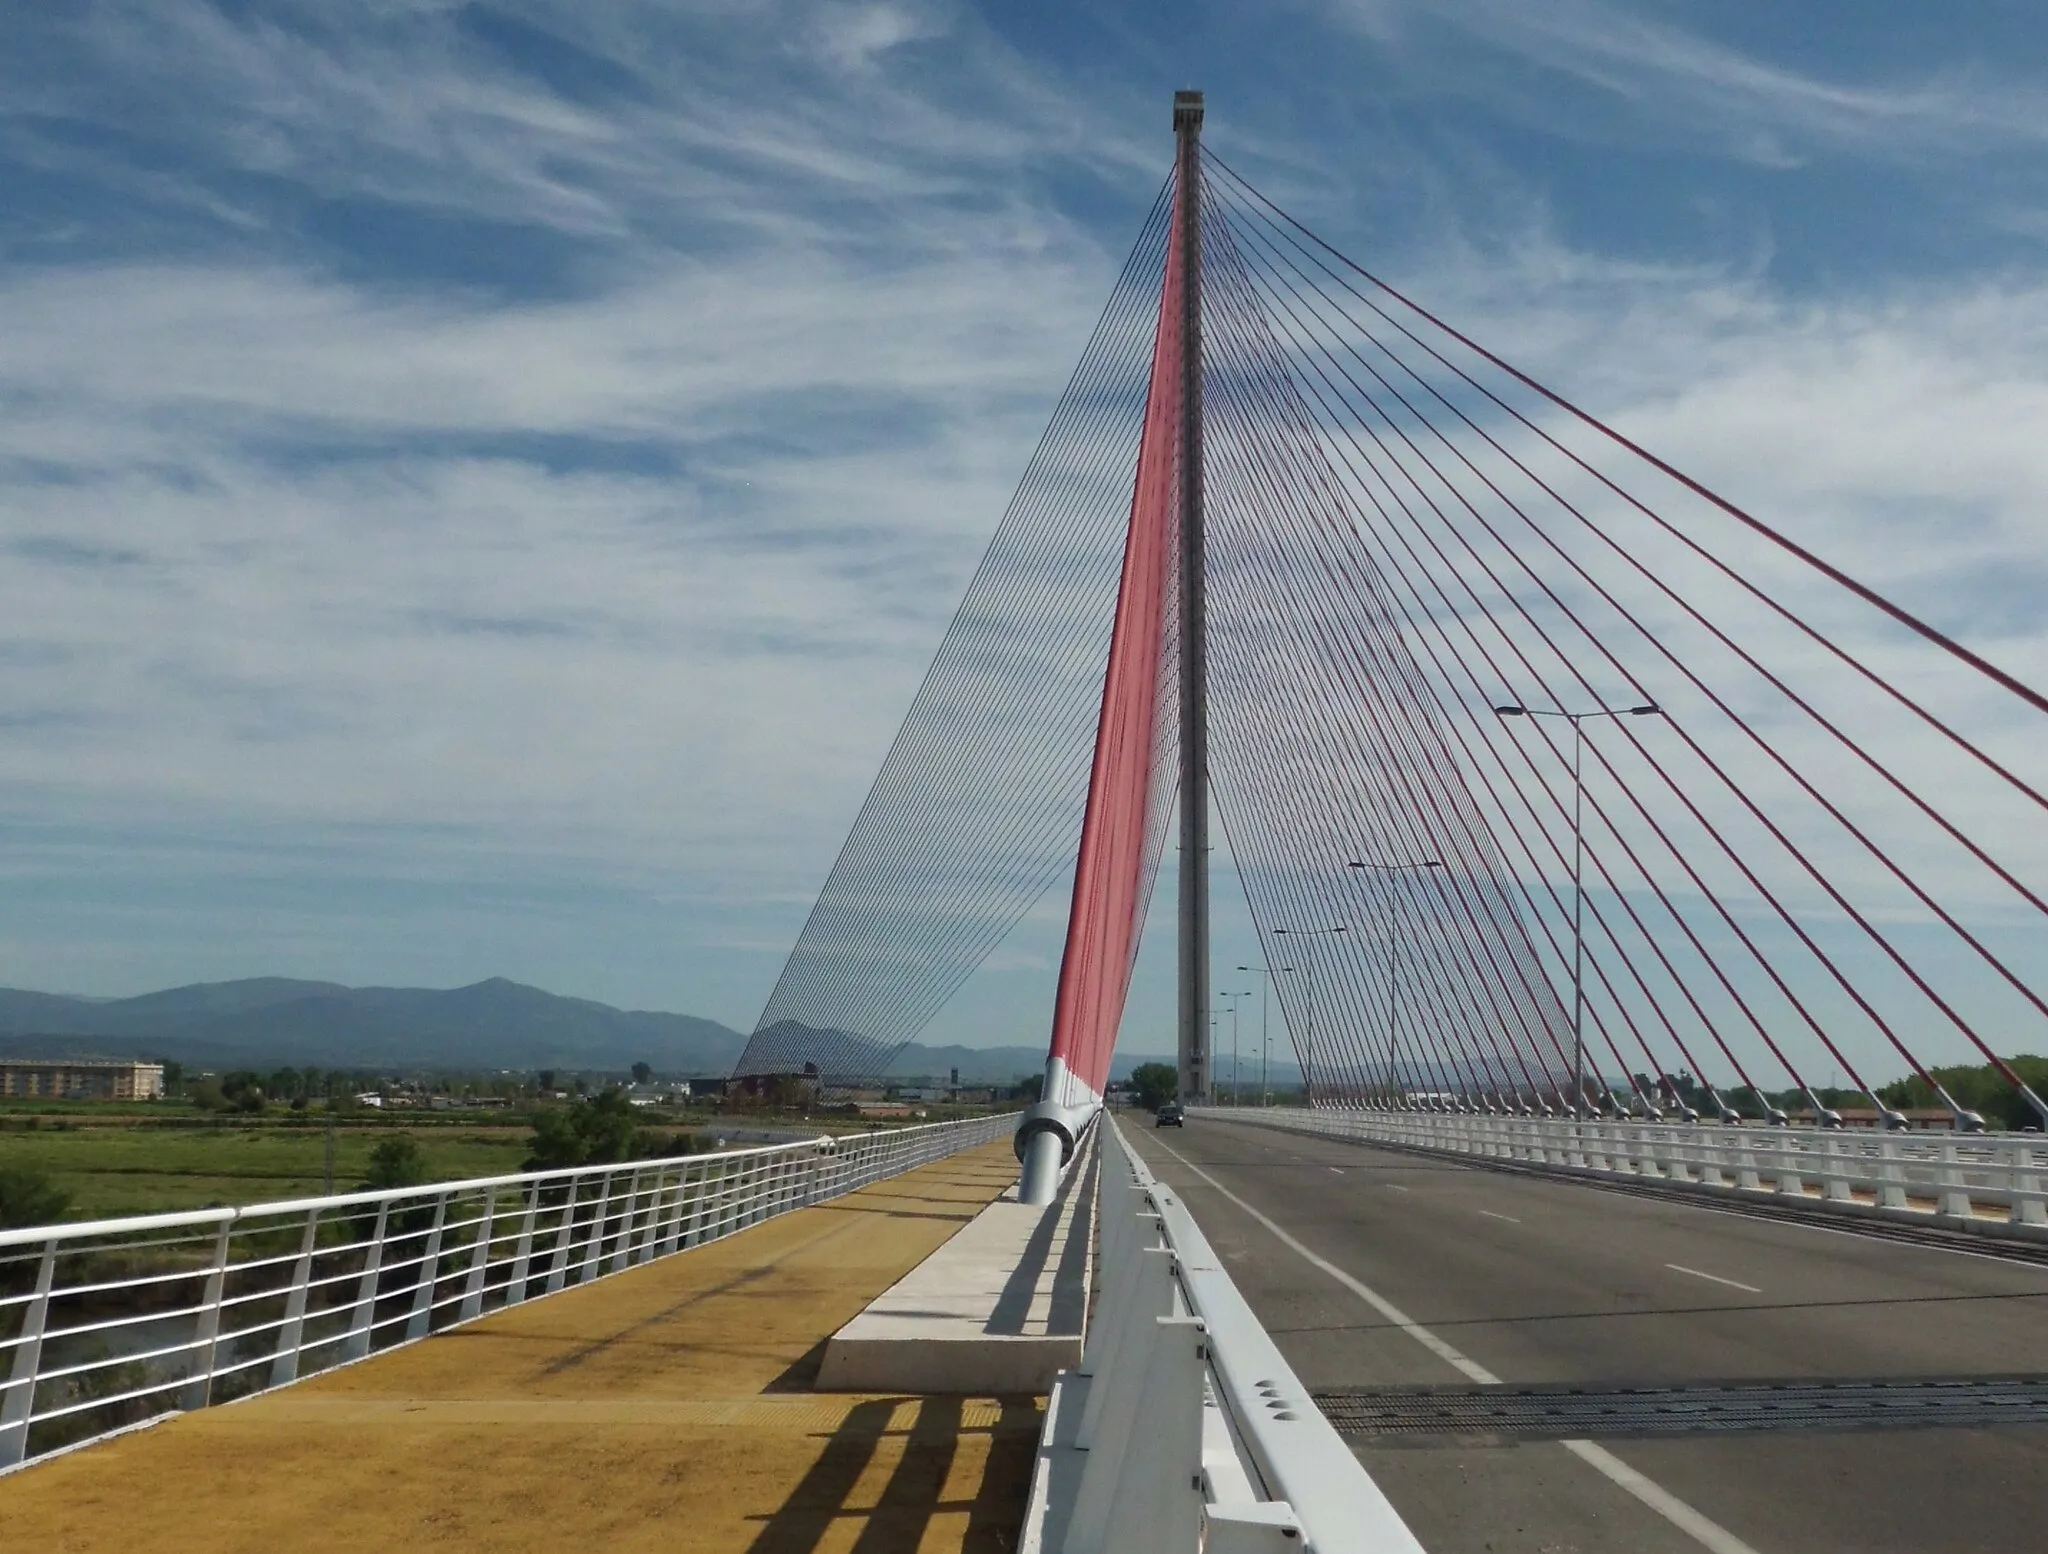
[[1171, 1115]]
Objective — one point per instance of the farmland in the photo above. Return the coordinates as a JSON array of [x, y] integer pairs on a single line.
[[113, 1165]]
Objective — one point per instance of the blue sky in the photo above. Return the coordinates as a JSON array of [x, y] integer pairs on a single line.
[[480, 483]]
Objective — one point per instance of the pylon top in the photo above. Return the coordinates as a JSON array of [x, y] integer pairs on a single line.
[[1187, 111]]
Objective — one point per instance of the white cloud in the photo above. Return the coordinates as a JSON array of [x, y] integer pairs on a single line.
[[621, 571], [1685, 87]]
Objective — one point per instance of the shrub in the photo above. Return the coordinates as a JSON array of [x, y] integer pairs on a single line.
[[395, 1162], [28, 1197]]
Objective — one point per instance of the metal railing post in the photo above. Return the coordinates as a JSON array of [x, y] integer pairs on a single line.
[[522, 1255], [593, 1247], [622, 1249], [565, 1237], [284, 1367], [425, 1274], [479, 1261], [363, 1319], [17, 1404], [206, 1327]]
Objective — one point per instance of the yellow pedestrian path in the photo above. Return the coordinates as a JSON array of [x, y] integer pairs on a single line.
[[665, 1408]]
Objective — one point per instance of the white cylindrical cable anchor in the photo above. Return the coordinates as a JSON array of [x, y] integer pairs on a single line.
[[1044, 1154]]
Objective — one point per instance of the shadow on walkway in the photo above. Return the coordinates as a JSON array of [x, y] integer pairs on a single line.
[[927, 1464]]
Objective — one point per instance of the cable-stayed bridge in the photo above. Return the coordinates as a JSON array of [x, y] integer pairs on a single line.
[[1557, 783], [1656, 912]]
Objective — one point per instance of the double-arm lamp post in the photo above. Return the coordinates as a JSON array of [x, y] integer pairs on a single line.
[[1308, 1084], [1515, 710], [1394, 956], [1266, 974], [1236, 1095]]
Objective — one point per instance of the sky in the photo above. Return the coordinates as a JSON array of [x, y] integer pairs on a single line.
[[480, 483]]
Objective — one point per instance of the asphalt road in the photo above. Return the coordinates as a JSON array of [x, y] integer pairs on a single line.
[[1374, 1270]]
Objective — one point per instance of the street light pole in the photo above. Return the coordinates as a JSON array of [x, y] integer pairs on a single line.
[[1394, 950], [1308, 1084], [1516, 710], [1265, 1037], [1235, 1095]]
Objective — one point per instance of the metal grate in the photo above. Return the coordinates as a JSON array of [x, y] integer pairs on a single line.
[[1565, 1412]]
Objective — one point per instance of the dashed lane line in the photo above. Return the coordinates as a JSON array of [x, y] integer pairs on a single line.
[[1733, 1284], [1708, 1534]]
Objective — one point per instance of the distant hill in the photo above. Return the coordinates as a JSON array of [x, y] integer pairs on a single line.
[[266, 1022]]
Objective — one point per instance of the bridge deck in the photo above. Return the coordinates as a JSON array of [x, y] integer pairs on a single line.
[[668, 1407]]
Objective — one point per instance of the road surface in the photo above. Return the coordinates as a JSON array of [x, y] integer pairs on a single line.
[[1380, 1273]]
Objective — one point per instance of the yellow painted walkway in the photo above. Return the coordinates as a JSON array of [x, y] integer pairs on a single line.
[[665, 1408]]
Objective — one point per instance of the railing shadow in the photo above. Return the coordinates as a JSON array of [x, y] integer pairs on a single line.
[[901, 1513]]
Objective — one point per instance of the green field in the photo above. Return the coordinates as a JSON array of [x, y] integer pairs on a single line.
[[161, 1157], [115, 1166]]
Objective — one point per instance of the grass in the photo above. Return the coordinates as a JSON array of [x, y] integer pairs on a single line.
[[116, 1159], [117, 1166]]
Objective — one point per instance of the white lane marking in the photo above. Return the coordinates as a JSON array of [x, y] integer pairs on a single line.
[[1471, 1370], [1709, 1534], [1334, 1171], [1733, 1284], [1508, 1217], [1397, 1187]]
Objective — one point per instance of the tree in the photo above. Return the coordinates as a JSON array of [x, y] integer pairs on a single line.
[[642, 1072], [1979, 1087], [28, 1197], [1155, 1084], [609, 1127], [594, 1132], [242, 1090], [395, 1162]]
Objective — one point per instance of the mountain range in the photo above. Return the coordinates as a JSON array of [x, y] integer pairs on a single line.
[[266, 1022]]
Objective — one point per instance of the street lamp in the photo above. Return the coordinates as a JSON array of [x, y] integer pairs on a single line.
[[1514, 710], [1265, 1040], [1394, 951], [1308, 1061], [1236, 1097]]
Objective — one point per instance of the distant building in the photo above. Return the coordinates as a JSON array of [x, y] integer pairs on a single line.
[[81, 1079], [882, 1108]]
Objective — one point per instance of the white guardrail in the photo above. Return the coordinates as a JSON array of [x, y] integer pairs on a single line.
[[1991, 1184], [1183, 1429], [108, 1324]]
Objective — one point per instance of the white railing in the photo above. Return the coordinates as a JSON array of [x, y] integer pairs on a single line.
[[1183, 1429], [1992, 1184], [111, 1323]]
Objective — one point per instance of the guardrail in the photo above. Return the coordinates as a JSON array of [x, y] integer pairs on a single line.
[[1183, 1429], [109, 1324], [1990, 1184]]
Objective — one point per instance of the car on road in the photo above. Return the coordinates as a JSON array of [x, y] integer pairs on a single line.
[[1171, 1115]]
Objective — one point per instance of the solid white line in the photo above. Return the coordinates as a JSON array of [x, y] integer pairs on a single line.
[[1709, 1534], [1508, 1217], [1733, 1284]]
